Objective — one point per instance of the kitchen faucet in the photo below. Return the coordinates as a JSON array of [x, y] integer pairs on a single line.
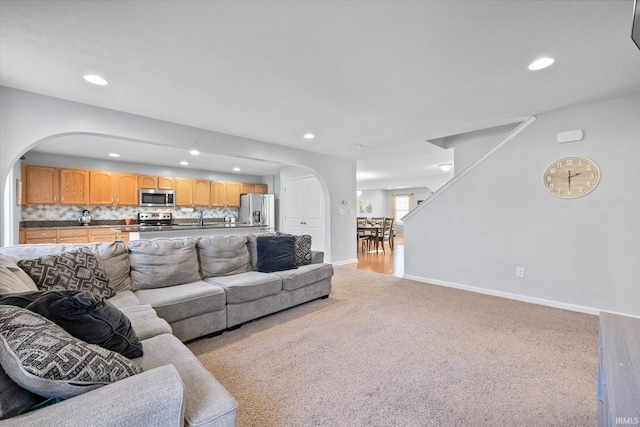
[[200, 217]]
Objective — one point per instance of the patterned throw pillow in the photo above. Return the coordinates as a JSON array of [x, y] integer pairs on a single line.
[[74, 270], [303, 248], [44, 359]]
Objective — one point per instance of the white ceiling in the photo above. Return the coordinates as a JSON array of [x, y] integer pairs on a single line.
[[385, 74]]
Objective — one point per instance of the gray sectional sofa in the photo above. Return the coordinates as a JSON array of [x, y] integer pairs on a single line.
[[172, 291]]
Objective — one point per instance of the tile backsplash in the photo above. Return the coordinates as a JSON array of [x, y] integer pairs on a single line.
[[72, 213]]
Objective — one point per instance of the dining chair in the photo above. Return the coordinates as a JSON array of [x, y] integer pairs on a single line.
[[364, 238], [386, 234]]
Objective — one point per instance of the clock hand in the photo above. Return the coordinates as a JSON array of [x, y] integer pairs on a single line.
[[575, 174], [569, 174]]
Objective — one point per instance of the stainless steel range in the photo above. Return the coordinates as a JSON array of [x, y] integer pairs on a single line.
[[155, 219]]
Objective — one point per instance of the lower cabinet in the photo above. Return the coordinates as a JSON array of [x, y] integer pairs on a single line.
[[72, 235], [106, 235], [40, 236]]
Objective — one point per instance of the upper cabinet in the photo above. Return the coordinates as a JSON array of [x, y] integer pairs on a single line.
[[126, 186], [113, 189], [253, 188], [158, 182], [41, 184], [201, 193], [74, 186], [49, 185], [147, 181], [184, 192], [225, 194], [193, 192]]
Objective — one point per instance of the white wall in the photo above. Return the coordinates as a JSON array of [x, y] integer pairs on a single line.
[[581, 254], [27, 119], [467, 147]]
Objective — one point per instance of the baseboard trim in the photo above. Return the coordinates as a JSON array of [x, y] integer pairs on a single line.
[[349, 261], [524, 298]]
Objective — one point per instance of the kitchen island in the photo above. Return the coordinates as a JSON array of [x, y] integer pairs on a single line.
[[137, 232]]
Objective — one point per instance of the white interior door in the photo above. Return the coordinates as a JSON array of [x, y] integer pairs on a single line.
[[304, 209]]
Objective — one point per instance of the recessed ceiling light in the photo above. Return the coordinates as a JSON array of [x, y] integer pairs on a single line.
[[96, 80], [236, 169], [541, 63], [194, 152], [114, 154], [183, 163], [446, 167], [308, 136]]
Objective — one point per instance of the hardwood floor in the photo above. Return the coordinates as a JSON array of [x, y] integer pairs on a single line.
[[388, 262]]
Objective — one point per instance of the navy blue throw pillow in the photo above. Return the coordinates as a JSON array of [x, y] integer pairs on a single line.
[[276, 253], [85, 315]]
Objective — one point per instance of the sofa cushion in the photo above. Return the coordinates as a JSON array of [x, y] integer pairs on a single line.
[[158, 263], [113, 257], [145, 321], [276, 253], [9, 282], [8, 262], [15, 400], [124, 299], [302, 247], [247, 286], [85, 315], [304, 275], [43, 358], [207, 402], [223, 255], [183, 301], [74, 270]]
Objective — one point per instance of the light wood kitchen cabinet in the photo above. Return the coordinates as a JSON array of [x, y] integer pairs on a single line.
[[233, 194], [126, 189], [201, 193], [113, 188], [147, 181], [166, 183], [74, 186], [184, 192], [225, 194], [42, 185], [157, 182], [193, 192], [102, 235], [41, 236], [253, 188], [101, 188], [73, 235]]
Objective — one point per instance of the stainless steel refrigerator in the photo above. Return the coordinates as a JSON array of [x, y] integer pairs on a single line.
[[258, 209]]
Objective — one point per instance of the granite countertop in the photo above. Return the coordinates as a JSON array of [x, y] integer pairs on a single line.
[[186, 226], [117, 225]]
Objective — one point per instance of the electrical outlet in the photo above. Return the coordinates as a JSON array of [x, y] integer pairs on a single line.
[[342, 211], [519, 271]]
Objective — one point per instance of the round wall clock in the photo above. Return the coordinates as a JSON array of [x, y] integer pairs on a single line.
[[571, 177]]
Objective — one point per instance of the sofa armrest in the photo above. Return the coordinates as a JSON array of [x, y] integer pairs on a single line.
[[317, 257], [152, 398]]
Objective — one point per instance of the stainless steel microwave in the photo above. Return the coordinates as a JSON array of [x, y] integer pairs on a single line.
[[150, 197]]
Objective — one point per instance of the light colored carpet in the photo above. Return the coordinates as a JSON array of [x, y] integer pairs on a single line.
[[386, 351]]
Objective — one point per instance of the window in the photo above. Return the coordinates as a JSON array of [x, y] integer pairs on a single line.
[[401, 206]]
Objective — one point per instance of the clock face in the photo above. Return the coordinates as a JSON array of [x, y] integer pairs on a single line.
[[571, 177]]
